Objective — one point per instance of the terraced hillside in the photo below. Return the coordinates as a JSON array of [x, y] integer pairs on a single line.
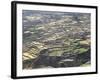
[[55, 39]]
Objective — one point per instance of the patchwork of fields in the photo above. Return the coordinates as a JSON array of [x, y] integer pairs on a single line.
[[56, 39]]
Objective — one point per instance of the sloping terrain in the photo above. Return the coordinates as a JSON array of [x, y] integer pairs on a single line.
[[55, 39]]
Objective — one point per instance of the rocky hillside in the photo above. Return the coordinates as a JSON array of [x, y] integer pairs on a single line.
[[55, 39]]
